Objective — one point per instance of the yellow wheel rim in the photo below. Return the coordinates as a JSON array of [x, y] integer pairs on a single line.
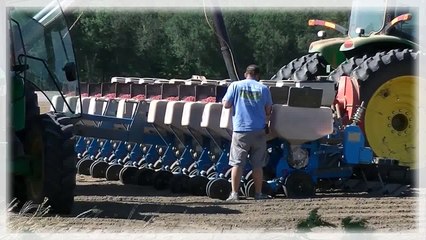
[[390, 120]]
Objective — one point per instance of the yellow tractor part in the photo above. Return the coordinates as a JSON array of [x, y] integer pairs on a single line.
[[390, 120]]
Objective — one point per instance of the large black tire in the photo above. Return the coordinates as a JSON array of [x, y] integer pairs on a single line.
[[59, 164], [346, 68], [311, 69], [287, 70], [387, 86], [53, 142]]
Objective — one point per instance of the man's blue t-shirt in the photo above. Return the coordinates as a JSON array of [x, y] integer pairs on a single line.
[[248, 98]]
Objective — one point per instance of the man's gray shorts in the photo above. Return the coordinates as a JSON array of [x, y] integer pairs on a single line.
[[248, 143]]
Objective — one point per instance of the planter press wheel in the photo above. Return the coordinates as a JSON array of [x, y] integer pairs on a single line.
[[242, 190], [212, 175], [144, 176], [161, 179], [78, 162], [179, 183], [194, 172], [211, 170], [127, 175], [98, 169], [197, 185], [111, 158], [248, 176], [220, 188], [157, 164], [228, 173], [175, 168], [249, 188], [83, 165], [388, 83], [299, 185], [84, 154], [143, 165], [192, 167], [208, 186], [113, 172]]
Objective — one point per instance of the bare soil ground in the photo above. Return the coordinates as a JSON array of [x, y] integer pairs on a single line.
[[105, 206]]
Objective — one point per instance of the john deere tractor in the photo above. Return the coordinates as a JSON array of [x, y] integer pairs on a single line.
[[42, 165], [379, 54]]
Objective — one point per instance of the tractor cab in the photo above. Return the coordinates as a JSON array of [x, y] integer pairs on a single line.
[[42, 55], [393, 17], [380, 26]]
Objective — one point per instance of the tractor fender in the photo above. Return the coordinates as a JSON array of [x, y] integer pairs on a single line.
[[375, 43], [329, 49]]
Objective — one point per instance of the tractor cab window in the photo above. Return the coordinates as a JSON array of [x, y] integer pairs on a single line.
[[41, 40], [367, 16]]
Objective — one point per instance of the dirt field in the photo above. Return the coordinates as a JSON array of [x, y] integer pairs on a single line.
[[103, 206]]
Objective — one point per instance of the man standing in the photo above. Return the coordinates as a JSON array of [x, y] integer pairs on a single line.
[[252, 104]]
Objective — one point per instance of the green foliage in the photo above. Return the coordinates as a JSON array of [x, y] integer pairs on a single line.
[[349, 224], [313, 220], [169, 44]]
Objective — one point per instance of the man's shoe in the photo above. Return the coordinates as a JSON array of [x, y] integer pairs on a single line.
[[233, 197], [261, 196]]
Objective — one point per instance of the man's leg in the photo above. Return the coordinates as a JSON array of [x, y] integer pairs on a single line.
[[237, 159], [236, 173], [257, 175], [258, 159]]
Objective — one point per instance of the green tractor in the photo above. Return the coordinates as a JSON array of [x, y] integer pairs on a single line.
[[379, 54], [43, 160]]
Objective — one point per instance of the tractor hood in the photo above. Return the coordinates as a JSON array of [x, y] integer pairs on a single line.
[[329, 48]]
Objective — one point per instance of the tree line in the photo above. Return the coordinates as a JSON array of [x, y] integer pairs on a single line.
[[178, 44]]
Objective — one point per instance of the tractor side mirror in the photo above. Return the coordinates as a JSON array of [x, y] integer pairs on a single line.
[[360, 32], [70, 71]]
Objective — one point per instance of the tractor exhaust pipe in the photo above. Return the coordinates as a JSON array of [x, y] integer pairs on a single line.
[[225, 45]]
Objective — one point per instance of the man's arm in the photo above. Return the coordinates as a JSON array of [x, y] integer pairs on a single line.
[[268, 111], [229, 96], [227, 104], [268, 105]]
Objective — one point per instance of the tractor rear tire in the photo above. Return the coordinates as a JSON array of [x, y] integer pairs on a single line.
[[316, 66], [59, 164], [346, 68], [287, 70], [53, 142], [388, 83]]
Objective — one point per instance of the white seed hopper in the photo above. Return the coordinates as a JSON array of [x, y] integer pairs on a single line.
[[211, 120], [298, 125]]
